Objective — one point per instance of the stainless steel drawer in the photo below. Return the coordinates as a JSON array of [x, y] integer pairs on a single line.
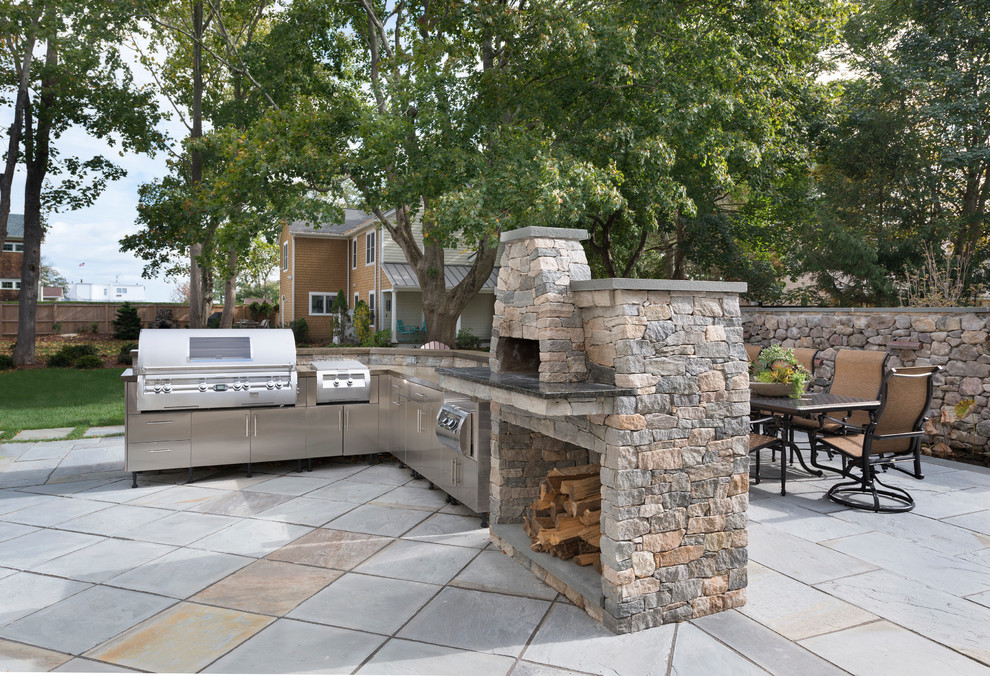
[[158, 427], [158, 455]]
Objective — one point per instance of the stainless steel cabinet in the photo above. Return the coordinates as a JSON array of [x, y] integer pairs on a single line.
[[167, 426], [423, 453], [149, 455], [360, 429], [277, 433], [395, 419], [221, 436], [324, 431]]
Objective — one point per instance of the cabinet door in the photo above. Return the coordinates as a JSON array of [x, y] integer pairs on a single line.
[[221, 437], [168, 426], [395, 422], [324, 430], [157, 455], [278, 434], [360, 429], [466, 483]]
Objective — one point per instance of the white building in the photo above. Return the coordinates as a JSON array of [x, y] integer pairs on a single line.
[[105, 293]]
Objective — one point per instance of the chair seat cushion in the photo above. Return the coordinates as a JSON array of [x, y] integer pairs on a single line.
[[758, 441], [812, 424], [851, 445]]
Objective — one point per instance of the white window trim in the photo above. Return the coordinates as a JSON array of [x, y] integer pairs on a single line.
[[371, 301], [15, 247], [285, 256], [369, 247], [15, 284], [354, 243], [327, 296], [357, 297]]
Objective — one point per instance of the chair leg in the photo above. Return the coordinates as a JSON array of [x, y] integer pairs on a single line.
[[866, 486]]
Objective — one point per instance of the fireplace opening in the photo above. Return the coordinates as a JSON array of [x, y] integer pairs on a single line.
[[518, 355], [565, 521]]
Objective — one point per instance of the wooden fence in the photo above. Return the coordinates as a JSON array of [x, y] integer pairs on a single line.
[[81, 317]]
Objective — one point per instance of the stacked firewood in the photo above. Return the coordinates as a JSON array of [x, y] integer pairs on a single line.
[[566, 519]]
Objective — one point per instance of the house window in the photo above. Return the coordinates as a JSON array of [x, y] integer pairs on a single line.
[[357, 297], [13, 246], [371, 301], [388, 303], [121, 292], [285, 255], [353, 253], [9, 284], [320, 303], [369, 248]]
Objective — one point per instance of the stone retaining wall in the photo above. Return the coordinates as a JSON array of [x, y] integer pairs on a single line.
[[954, 338]]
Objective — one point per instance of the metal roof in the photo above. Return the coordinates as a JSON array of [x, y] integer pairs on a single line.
[[402, 275], [353, 219], [15, 226]]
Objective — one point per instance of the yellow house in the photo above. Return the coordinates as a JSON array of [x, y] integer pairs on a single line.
[[360, 258]]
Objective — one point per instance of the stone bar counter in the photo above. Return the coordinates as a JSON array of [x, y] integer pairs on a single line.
[[647, 378]]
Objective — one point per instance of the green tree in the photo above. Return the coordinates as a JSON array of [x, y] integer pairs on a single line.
[[127, 324], [908, 159], [50, 276], [81, 82]]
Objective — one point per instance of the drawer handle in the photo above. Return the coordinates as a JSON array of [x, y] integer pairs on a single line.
[[159, 422], [161, 450]]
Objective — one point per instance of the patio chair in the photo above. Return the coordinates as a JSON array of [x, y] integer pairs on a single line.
[[858, 373], [753, 351], [760, 441], [401, 328], [892, 434]]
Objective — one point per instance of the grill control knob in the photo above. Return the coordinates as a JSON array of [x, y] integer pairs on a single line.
[[270, 385], [336, 383], [202, 386], [349, 382], [278, 385], [237, 386], [158, 388], [167, 387]]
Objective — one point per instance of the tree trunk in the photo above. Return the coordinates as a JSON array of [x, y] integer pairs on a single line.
[[229, 293], [36, 155], [14, 139], [198, 314]]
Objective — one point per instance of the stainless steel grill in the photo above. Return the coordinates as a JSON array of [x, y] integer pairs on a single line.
[[342, 380], [215, 368]]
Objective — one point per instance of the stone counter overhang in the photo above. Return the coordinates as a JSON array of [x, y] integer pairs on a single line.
[[525, 391]]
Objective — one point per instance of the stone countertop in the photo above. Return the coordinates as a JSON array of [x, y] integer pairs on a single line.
[[128, 376], [529, 384]]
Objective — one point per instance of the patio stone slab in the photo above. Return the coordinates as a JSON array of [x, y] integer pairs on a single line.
[[412, 497], [975, 521], [4, 572], [16, 657], [183, 639], [350, 491], [54, 511], [288, 646], [796, 557], [493, 571], [267, 587], [229, 480], [766, 648], [885, 648], [387, 474], [67, 487], [330, 549], [983, 598], [695, 652], [86, 619], [25, 593], [104, 431], [35, 548], [25, 465], [418, 561], [179, 497], [39, 435], [14, 530], [379, 520], [14, 500], [940, 536], [451, 529], [181, 573], [120, 491], [571, 639], [44, 452], [801, 522], [367, 603], [289, 485], [307, 511], [81, 665], [408, 657], [241, 503], [180, 528], [114, 519], [935, 614], [473, 620], [941, 571], [335, 469], [251, 537], [103, 560], [17, 477], [795, 610], [94, 458], [524, 668]]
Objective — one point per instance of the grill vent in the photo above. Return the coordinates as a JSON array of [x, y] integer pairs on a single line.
[[203, 348]]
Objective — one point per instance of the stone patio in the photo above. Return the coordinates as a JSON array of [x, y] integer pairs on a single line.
[[360, 569]]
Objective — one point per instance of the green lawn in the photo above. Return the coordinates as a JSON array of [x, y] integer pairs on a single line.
[[38, 398]]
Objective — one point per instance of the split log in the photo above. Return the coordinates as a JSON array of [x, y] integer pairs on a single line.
[[588, 559], [580, 489], [579, 507], [591, 517]]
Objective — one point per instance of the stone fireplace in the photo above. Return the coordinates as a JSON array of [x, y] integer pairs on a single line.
[[647, 378]]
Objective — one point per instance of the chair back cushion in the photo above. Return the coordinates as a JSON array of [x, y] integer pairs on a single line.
[[753, 351], [858, 373], [806, 357], [905, 397]]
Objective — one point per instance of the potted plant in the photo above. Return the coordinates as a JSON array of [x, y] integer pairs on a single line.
[[777, 373]]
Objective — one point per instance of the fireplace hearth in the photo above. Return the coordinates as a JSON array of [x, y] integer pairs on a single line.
[[647, 378]]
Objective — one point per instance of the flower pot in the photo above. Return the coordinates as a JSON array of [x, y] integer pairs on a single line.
[[771, 389]]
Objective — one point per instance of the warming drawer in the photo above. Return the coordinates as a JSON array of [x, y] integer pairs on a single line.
[[158, 455], [158, 427]]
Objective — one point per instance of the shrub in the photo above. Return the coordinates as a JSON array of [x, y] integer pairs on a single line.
[[127, 325], [382, 338], [77, 350], [124, 356], [7, 362], [466, 340], [300, 329], [57, 328], [94, 327], [362, 323], [59, 360], [89, 361]]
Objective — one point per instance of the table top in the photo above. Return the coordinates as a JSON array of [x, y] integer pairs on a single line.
[[819, 402]]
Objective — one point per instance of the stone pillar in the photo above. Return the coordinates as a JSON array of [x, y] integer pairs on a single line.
[[675, 472]]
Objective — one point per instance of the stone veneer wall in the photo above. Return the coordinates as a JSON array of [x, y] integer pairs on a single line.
[[394, 356], [533, 299], [955, 339]]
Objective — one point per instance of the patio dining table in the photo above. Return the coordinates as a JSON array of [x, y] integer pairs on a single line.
[[808, 405]]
